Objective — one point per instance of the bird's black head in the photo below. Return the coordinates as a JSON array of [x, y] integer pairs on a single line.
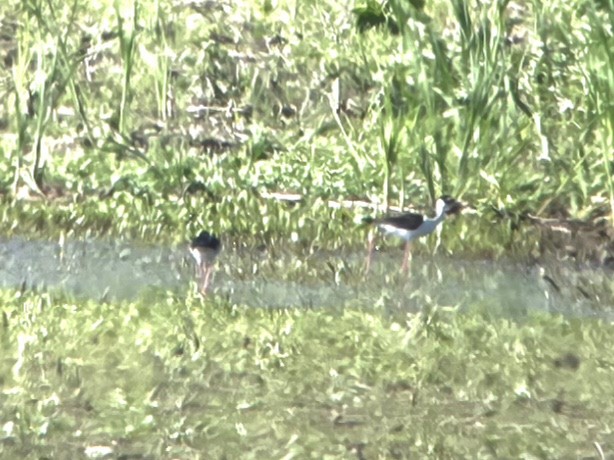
[[447, 199], [206, 240], [451, 206]]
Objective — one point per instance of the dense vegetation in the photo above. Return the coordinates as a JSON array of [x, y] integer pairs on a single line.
[[142, 118], [169, 377], [155, 119]]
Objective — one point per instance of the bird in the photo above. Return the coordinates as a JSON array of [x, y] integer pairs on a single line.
[[205, 248], [409, 226]]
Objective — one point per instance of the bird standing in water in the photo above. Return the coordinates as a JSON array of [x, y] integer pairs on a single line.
[[205, 248], [410, 226]]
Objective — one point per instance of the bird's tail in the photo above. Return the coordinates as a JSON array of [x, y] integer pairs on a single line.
[[368, 220]]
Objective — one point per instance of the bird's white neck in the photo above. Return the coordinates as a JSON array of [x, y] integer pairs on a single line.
[[429, 224], [440, 217]]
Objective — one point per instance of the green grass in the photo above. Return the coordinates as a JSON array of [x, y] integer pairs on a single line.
[[172, 377], [504, 105]]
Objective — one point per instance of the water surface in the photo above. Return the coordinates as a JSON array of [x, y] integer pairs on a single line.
[[318, 279]]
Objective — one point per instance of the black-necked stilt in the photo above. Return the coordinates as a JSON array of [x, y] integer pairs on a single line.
[[410, 226], [205, 249]]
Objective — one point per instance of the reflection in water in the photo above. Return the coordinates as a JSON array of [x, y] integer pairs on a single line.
[[119, 270]]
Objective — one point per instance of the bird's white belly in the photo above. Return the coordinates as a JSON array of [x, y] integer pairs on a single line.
[[197, 255], [408, 235]]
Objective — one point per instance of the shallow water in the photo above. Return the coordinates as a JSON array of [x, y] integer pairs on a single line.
[[290, 278]]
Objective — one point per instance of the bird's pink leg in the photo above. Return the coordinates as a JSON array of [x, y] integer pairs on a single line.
[[406, 257], [207, 278], [370, 244], [200, 284]]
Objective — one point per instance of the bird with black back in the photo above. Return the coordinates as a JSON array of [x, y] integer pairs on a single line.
[[410, 226], [205, 248]]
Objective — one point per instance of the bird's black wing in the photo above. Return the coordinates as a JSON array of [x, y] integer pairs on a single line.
[[408, 221], [206, 240]]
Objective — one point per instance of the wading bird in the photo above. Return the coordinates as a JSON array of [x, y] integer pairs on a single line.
[[205, 248], [410, 226]]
